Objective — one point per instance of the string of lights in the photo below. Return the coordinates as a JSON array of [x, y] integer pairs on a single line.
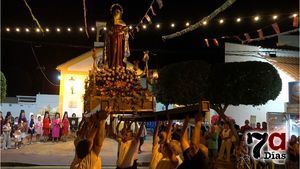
[[39, 65], [172, 25]]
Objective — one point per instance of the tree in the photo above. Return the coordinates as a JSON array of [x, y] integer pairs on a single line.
[[3, 87], [182, 83], [248, 83]]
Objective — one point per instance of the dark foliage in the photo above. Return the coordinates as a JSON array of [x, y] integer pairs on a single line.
[[3, 86], [248, 83], [182, 83]]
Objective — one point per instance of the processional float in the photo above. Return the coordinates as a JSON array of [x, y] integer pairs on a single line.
[[115, 82]]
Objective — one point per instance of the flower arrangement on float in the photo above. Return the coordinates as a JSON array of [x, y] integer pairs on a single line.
[[116, 84]]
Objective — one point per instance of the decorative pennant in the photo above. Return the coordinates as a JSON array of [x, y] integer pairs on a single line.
[[85, 22], [33, 17], [223, 7], [275, 35], [260, 34], [206, 42], [296, 22], [276, 28], [159, 3], [152, 10], [248, 38], [137, 29], [216, 43], [148, 18]]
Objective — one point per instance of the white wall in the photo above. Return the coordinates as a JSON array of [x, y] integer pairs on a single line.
[[15, 108], [243, 112], [73, 103], [43, 102]]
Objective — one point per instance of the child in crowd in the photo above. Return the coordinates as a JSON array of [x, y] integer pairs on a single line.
[[16, 121], [65, 126], [31, 129], [17, 135], [46, 126], [22, 121], [55, 127], [6, 134], [73, 126], [39, 128], [23, 128]]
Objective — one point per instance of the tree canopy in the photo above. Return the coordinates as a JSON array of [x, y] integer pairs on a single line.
[[248, 83], [3, 86], [182, 83]]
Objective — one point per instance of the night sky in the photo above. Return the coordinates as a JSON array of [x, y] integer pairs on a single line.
[[24, 76]]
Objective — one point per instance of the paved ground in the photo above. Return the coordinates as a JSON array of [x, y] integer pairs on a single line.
[[62, 153]]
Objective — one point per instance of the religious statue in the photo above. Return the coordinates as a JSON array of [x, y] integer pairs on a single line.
[[116, 40]]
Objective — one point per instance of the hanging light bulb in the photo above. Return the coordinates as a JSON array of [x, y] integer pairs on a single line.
[[130, 27], [187, 24], [221, 21], [17, 29], [93, 29], [275, 17], [238, 19], [80, 29], [37, 30], [204, 23], [144, 27], [256, 18], [158, 26], [7, 30], [104, 28], [172, 25], [47, 30], [27, 30], [57, 29], [69, 29]]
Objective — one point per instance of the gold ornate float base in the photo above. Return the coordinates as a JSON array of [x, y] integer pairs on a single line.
[[123, 105]]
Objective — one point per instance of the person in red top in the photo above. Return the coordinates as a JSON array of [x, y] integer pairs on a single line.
[[246, 127], [46, 126], [65, 126], [258, 127]]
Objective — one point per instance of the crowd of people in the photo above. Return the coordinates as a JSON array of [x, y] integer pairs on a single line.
[[175, 145], [20, 129]]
